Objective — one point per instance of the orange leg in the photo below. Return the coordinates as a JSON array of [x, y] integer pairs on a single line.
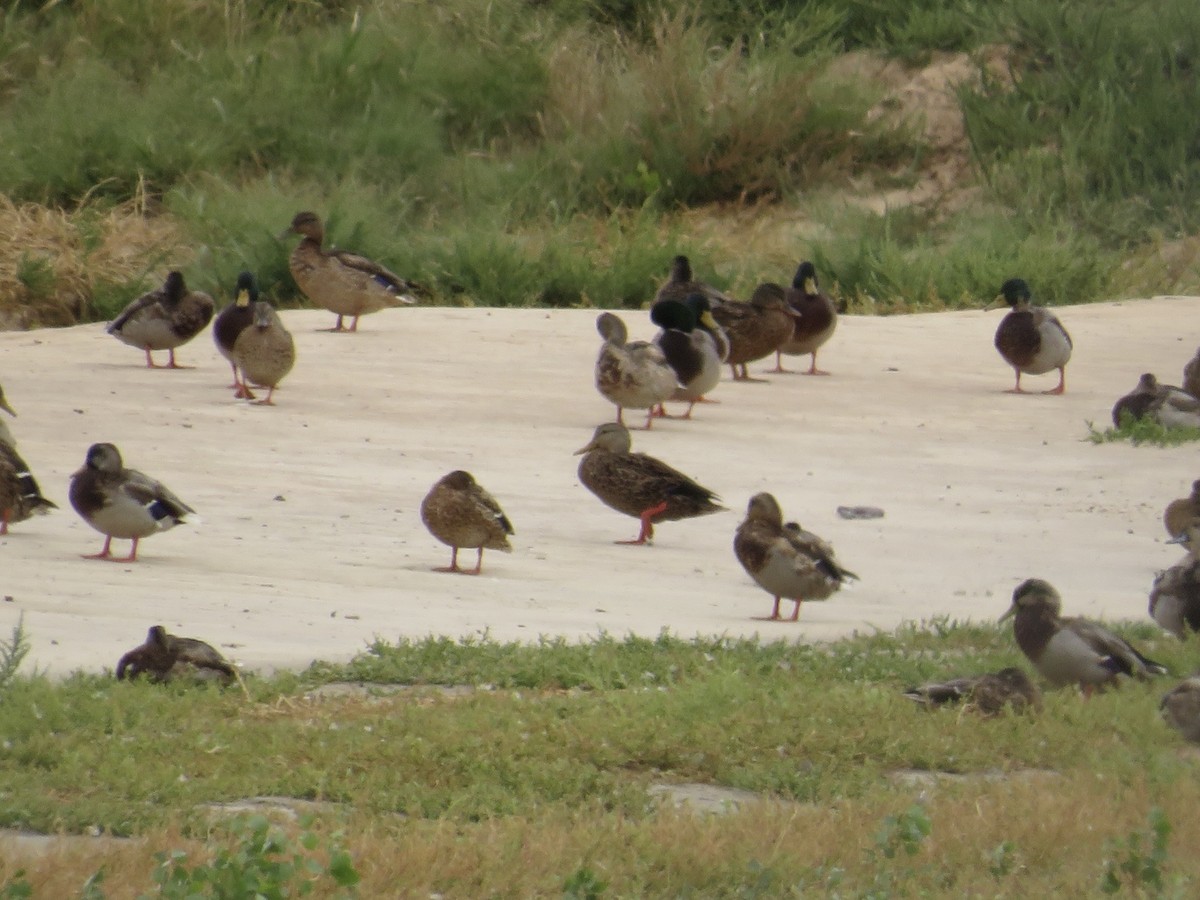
[[103, 554], [150, 364], [478, 564], [354, 324], [4, 523], [1062, 382], [171, 364], [779, 369], [453, 567], [647, 532], [266, 402], [338, 326], [813, 370], [237, 382], [744, 375]]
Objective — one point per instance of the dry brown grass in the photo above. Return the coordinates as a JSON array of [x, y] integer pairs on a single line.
[[52, 261], [1061, 838]]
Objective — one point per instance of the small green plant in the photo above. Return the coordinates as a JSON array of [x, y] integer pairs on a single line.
[[584, 884], [263, 864], [16, 888], [13, 651], [1143, 431], [904, 832], [1145, 857]]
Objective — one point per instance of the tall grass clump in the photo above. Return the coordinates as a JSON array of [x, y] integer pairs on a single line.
[[682, 120], [1090, 123]]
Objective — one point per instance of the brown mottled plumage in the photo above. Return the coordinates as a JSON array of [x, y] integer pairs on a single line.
[[755, 329], [1180, 708], [459, 513], [786, 560], [20, 496], [163, 319], [264, 352], [987, 694], [1180, 512], [631, 374], [1191, 375], [1070, 650], [639, 485], [816, 322], [1031, 338], [342, 282], [166, 657], [681, 284]]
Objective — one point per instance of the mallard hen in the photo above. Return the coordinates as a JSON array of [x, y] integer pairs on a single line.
[[460, 513]]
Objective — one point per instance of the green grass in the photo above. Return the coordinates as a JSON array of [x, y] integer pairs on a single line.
[[559, 154], [1143, 431], [567, 737]]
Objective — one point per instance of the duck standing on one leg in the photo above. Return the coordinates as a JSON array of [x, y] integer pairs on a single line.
[[342, 282], [784, 559], [460, 513], [163, 319], [122, 503], [1070, 650], [1031, 338], [639, 485]]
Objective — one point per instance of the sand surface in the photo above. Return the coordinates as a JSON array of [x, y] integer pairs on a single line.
[[311, 544]]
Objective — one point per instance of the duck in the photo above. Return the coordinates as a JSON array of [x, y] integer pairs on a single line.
[[1175, 598], [122, 503], [1073, 650], [1165, 404], [784, 559], [168, 657], [1180, 512], [264, 353], [987, 694], [20, 496], [689, 341], [232, 321], [755, 329], [163, 319], [342, 282], [816, 319], [631, 374], [1191, 375], [460, 513], [1031, 338], [681, 284], [1180, 708], [640, 485]]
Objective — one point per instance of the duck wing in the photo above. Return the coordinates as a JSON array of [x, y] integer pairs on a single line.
[[1116, 654]]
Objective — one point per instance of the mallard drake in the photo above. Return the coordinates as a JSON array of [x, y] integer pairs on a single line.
[[786, 560], [459, 513], [1191, 375], [681, 284], [1031, 338], [1165, 404], [1180, 708], [342, 282], [987, 694], [692, 351], [232, 321], [631, 374], [1175, 598], [639, 485], [1180, 512], [755, 329], [167, 657], [1071, 650], [120, 502], [817, 319], [20, 496], [264, 352], [163, 319]]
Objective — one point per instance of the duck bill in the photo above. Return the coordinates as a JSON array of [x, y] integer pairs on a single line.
[[707, 320], [996, 301], [8, 409], [583, 450], [1008, 614], [1178, 539]]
